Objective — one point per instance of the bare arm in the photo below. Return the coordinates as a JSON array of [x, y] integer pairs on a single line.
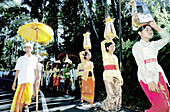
[[37, 77], [155, 26], [165, 36], [103, 49], [117, 66], [15, 79], [81, 56]]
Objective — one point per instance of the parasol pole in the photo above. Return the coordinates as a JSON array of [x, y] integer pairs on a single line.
[[43, 65], [37, 71], [120, 42]]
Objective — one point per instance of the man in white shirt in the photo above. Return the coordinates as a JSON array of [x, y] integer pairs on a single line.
[[25, 73]]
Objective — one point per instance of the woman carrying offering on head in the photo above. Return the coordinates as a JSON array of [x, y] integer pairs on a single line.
[[111, 75], [88, 80], [150, 74]]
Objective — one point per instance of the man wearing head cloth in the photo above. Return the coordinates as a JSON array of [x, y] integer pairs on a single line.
[[25, 73]]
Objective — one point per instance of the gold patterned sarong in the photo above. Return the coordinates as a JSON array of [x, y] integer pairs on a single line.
[[87, 93], [22, 95], [113, 100]]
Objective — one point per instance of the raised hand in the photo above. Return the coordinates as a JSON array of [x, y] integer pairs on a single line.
[[154, 25]]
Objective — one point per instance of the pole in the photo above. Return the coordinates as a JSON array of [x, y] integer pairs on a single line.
[[37, 71], [43, 65], [120, 42]]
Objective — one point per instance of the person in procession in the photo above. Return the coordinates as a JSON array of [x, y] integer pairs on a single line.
[[88, 79], [67, 75], [62, 82], [79, 75], [150, 74], [25, 73], [47, 79], [111, 76], [51, 75], [40, 69], [73, 72], [56, 78]]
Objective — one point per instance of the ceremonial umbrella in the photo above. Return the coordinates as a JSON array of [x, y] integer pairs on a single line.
[[73, 57], [62, 55], [36, 32], [39, 33]]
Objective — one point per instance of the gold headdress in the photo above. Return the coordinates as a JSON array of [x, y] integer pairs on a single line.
[[109, 28], [87, 42]]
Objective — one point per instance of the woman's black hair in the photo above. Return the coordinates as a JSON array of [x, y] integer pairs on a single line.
[[140, 29], [55, 64], [49, 67], [107, 45], [68, 64], [85, 54]]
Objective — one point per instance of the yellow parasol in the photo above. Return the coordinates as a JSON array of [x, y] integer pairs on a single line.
[[39, 33], [46, 42], [30, 31]]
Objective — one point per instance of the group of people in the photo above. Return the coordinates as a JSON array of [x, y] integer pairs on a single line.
[[59, 77], [150, 74]]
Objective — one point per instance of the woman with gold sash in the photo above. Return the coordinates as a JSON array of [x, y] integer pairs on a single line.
[[111, 75]]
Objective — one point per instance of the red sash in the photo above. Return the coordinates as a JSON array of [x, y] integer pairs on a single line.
[[110, 67], [150, 60]]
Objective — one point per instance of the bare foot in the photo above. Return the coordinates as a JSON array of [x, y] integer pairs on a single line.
[[67, 92]]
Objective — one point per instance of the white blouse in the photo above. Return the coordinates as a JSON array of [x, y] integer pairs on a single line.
[[146, 58], [109, 60]]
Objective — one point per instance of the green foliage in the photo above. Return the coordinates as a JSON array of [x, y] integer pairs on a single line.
[[160, 13], [12, 16]]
